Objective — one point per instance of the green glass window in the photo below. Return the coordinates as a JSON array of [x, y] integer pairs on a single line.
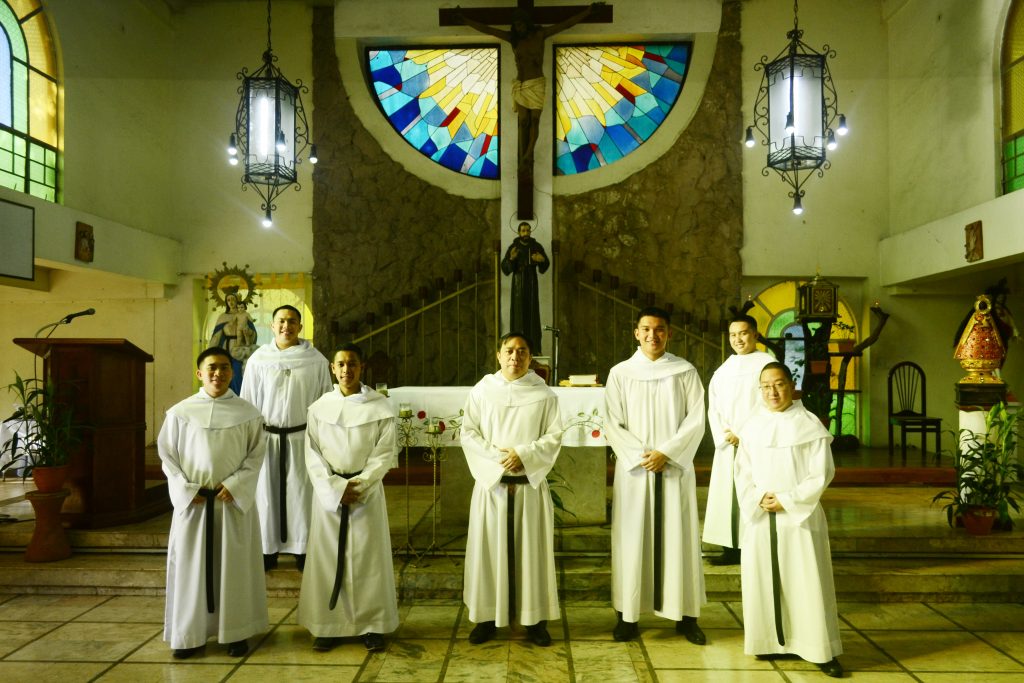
[[29, 132], [1013, 99]]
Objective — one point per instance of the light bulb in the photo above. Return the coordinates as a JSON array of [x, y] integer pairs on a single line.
[[798, 208], [789, 124], [831, 144], [232, 145], [267, 221], [749, 140], [842, 129], [312, 154]]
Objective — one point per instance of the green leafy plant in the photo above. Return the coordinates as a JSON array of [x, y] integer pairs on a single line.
[[987, 470], [46, 432]]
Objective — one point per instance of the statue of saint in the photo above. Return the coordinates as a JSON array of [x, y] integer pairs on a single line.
[[527, 41], [524, 257]]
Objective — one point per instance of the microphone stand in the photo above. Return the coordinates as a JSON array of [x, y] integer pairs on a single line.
[[554, 333]]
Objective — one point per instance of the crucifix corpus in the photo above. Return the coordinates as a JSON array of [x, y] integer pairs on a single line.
[[527, 35]]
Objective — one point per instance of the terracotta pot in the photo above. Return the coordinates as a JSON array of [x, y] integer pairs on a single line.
[[978, 521], [49, 479]]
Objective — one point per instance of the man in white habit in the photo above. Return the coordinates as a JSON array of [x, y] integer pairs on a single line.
[[783, 466], [732, 396], [654, 404], [282, 379], [348, 587], [211, 446], [511, 435]]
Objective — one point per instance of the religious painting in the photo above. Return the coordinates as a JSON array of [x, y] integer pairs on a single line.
[[609, 99], [974, 246], [233, 290], [443, 102], [85, 244]]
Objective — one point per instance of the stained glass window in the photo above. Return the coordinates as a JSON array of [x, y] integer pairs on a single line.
[[1013, 99], [444, 102], [611, 98], [28, 100]]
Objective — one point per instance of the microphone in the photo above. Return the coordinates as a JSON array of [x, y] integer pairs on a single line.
[[71, 316]]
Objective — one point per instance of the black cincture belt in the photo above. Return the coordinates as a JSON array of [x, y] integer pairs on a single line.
[[734, 517], [210, 495], [282, 438], [510, 536], [339, 572], [659, 532], [773, 536]]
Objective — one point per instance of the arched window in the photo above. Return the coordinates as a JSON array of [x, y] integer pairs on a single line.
[[775, 312], [1013, 99], [29, 115]]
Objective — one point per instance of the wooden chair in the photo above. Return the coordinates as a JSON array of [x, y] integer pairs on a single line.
[[908, 408]]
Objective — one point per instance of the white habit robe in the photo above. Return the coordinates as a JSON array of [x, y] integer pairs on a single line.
[[522, 414], [344, 435], [207, 441], [787, 453], [733, 395], [283, 384], [655, 405]]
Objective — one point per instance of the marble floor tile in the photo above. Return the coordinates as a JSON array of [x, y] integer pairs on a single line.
[[861, 656], [168, 673], [959, 678], [86, 642], [718, 676], [288, 644], [43, 672], [413, 661], [899, 616], [127, 609], [528, 662], [469, 671], [15, 634], [282, 610], [610, 662], [998, 617], [428, 621], [724, 650], [48, 607], [1010, 643], [816, 676], [294, 673], [954, 651], [590, 623]]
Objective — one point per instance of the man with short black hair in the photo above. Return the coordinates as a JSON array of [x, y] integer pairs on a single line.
[[211, 446], [654, 404], [732, 397], [511, 435], [783, 466], [282, 379], [348, 588]]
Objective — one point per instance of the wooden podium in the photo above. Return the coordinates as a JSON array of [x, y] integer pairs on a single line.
[[104, 381]]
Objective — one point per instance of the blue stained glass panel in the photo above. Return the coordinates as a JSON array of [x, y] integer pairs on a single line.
[[609, 99], [443, 102]]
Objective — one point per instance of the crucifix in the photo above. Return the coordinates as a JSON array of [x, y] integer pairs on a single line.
[[527, 35]]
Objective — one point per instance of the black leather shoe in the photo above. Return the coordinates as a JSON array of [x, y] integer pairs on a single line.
[[300, 561], [625, 630], [729, 556], [269, 562], [832, 669], [323, 644], [689, 628], [374, 642], [238, 648], [187, 652], [482, 632], [538, 634]]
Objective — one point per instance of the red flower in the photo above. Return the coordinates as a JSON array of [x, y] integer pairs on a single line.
[[596, 433], [440, 425], [422, 414]]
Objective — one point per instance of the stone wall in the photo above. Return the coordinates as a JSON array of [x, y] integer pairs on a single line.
[[672, 231]]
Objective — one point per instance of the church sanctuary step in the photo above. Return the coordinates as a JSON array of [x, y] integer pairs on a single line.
[[888, 544]]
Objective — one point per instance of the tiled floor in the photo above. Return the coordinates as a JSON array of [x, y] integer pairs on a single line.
[[103, 638]]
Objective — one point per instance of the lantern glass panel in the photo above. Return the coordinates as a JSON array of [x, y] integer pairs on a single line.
[[796, 83]]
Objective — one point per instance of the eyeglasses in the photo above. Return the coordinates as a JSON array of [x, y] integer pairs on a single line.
[[777, 386]]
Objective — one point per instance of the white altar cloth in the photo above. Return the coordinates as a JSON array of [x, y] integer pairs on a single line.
[[582, 410]]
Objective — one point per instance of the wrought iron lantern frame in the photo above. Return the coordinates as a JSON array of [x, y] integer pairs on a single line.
[[789, 154], [270, 171]]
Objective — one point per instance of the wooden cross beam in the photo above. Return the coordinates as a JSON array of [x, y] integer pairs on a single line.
[[531, 27]]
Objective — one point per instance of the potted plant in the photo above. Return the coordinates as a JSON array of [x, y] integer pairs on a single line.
[[44, 434], [987, 472]]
